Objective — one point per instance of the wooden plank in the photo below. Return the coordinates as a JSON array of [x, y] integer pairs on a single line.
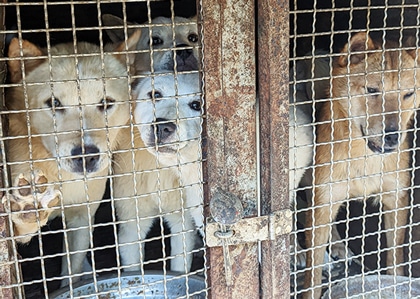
[[230, 95], [273, 70]]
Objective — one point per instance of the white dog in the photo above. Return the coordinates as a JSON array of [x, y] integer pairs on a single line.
[[64, 120], [159, 172], [158, 40]]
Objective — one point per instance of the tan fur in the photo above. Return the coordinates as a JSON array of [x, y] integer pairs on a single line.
[[44, 155], [354, 159]]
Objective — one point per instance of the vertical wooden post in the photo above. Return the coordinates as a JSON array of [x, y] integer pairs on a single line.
[[230, 95], [273, 80]]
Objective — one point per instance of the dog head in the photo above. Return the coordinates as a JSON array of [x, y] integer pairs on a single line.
[[75, 104], [163, 36], [168, 112], [378, 88]]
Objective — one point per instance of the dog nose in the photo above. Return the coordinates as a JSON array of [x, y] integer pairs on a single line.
[[88, 154], [184, 53], [163, 129], [391, 137]]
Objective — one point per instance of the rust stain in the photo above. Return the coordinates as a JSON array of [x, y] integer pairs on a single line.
[[230, 95], [273, 43]]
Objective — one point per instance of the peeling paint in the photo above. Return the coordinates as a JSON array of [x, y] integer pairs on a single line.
[[230, 95]]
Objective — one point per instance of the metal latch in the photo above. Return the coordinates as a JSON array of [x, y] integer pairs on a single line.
[[227, 227], [251, 230]]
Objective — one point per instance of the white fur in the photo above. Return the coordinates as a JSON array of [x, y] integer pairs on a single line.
[[158, 40], [168, 175]]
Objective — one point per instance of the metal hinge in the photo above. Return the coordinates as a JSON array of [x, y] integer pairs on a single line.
[[251, 230]]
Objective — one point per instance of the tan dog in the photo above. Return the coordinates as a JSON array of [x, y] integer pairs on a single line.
[[158, 40], [64, 120], [158, 173], [361, 146]]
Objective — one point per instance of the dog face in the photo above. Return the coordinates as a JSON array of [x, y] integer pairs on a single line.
[[162, 38], [168, 112], [383, 90], [76, 108]]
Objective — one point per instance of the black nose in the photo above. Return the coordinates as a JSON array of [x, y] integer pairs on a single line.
[[184, 53], [391, 137], [87, 158], [163, 129]]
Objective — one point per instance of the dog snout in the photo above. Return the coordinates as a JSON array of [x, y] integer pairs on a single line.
[[163, 129], [184, 53], [391, 137], [87, 157]]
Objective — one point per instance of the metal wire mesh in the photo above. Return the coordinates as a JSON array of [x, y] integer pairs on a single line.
[[354, 68], [102, 152]]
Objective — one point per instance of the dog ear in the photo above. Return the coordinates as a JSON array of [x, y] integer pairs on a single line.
[[116, 35], [358, 44], [410, 43], [131, 46], [15, 65]]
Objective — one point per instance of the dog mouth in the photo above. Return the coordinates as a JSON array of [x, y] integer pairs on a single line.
[[189, 63], [164, 148], [184, 63], [374, 147]]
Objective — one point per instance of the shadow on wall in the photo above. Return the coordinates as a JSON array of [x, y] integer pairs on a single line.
[[85, 16]]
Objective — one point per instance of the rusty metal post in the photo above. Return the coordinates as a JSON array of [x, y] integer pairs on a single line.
[[230, 95], [273, 70]]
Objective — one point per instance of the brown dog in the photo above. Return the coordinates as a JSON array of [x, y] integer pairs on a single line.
[[362, 147]]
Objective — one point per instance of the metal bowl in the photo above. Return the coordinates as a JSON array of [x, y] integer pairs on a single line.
[[375, 287], [154, 284]]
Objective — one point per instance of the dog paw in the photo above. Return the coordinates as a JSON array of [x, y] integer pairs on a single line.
[[30, 204]]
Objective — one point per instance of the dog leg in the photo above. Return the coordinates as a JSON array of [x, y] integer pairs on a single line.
[[395, 219], [30, 210], [78, 237], [319, 224], [133, 254], [339, 250], [194, 202], [182, 241]]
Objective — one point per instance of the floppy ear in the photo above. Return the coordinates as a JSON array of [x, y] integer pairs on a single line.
[[116, 35], [359, 43], [15, 65], [131, 46]]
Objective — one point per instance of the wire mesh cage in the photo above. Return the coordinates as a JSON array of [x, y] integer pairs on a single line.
[[354, 88], [101, 150]]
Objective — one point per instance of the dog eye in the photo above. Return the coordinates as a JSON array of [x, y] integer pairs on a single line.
[[195, 105], [372, 90], [155, 94], [193, 38], [106, 104], [156, 41], [408, 94], [53, 102]]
